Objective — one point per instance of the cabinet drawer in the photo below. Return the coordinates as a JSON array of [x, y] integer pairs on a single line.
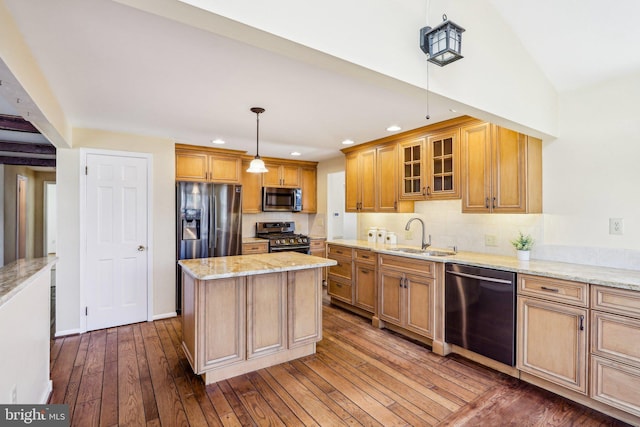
[[423, 268], [342, 268], [615, 300], [364, 256], [255, 248], [317, 245], [340, 251], [615, 384], [554, 289], [339, 289], [616, 337]]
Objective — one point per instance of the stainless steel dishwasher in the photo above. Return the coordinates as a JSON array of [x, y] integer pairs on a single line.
[[480, 311]]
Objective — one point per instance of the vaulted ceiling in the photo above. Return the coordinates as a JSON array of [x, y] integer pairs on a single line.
[[117, 68]]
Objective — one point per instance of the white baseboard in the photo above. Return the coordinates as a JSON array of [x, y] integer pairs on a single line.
[[68, 332], [165, 315]]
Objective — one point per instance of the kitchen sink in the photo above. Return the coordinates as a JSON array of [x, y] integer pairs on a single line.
[[425, 252]]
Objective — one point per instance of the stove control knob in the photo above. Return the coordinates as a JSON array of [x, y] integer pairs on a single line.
[[292, 240], [305, 240], [278, 241]]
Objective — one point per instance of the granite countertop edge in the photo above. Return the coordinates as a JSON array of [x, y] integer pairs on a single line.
[[17, 275], [595, 275], [247, 265]]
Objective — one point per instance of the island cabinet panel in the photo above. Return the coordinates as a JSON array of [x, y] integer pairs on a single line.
[[266, 314], [222, 319], [305, 302]]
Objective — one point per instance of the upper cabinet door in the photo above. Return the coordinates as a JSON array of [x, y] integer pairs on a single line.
[[308, 183], [225, 169], [387, 178], [412, 169], [443, 173], [508, 171], [191, 166], [476, 173]]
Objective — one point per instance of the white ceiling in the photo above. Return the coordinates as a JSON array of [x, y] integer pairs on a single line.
[[116, 68]]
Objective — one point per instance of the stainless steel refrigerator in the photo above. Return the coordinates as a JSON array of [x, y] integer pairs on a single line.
[[209, 223]]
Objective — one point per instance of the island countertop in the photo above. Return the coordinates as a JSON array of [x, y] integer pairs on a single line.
[[246, 265], [17, 275]]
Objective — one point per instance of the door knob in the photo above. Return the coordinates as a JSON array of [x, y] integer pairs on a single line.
[[141, 248]]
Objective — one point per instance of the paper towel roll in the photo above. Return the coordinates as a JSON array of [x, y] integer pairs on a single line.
[[382, 235], [392, 239], [372, 235]]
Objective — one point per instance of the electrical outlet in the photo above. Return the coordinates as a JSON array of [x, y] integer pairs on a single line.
[[490, 240], [14, 394], [408, 235], [616, 226]]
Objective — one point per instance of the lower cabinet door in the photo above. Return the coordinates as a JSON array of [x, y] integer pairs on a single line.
[[266, 314], [365, 287], [390, 298], [552, 342], [419, 305]]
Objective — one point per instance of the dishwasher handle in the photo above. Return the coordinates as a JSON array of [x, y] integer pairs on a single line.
[[488, 279]]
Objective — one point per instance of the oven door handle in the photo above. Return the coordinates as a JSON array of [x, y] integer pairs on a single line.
[[473, 276]]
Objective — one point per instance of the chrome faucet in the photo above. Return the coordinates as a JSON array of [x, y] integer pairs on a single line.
[[425, 244]]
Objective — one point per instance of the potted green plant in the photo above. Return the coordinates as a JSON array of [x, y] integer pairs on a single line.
[[523, 245]]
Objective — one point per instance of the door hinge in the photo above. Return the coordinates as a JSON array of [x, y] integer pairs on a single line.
[[86, 170], [86, 311]]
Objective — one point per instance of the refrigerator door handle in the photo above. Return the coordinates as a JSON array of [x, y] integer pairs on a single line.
[[211, 219], [214, 217]]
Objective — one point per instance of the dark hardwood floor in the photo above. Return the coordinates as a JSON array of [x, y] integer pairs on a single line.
[[138, 375]]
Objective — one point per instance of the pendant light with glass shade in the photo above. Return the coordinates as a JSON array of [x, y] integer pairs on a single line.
[[257, 165]]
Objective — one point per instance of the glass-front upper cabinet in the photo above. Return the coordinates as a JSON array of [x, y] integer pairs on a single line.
[[431, 167]]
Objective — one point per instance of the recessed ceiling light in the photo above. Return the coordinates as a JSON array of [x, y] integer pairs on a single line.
[[295, 153], [217, 141], [347, 142], [393, 128]]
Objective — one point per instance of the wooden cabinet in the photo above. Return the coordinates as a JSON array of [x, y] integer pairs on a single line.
[[502, 170], [552, 335], [615, 348], [430, 167], [209, 167], [257, 247], [340, 275], [353, 280], [236, 325], [372, 181], [251, 190], [308, 184], [364, 283], [281, 175], [360, 176], [406, 293], [318, 247]]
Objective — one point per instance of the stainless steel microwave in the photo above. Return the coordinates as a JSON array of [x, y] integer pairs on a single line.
[[279, 199]]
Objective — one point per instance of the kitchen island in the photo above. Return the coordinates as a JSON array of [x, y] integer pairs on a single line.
[[248, 312]]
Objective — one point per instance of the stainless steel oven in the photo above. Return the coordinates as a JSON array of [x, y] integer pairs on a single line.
[[282, 237]]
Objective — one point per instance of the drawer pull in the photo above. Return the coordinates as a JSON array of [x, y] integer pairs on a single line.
[[363, 271], [339, 252], [544, 288], [365, 256], [339, 285]]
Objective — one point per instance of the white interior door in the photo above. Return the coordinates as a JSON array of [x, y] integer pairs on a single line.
[[116, 230]]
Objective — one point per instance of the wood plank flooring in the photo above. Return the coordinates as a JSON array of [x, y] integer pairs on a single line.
[[137, 375]]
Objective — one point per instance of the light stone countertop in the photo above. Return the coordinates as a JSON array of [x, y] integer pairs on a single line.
[[17, 275], [605, 276], [254, 240], [247, 265]]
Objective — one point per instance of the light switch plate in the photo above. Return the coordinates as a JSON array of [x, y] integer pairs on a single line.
[[616, 226], [490, 240]]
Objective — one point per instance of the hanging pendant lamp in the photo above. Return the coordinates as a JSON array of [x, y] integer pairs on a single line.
[[257, 165]]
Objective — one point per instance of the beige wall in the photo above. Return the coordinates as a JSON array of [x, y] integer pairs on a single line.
[[38, 238], [163, 220]]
